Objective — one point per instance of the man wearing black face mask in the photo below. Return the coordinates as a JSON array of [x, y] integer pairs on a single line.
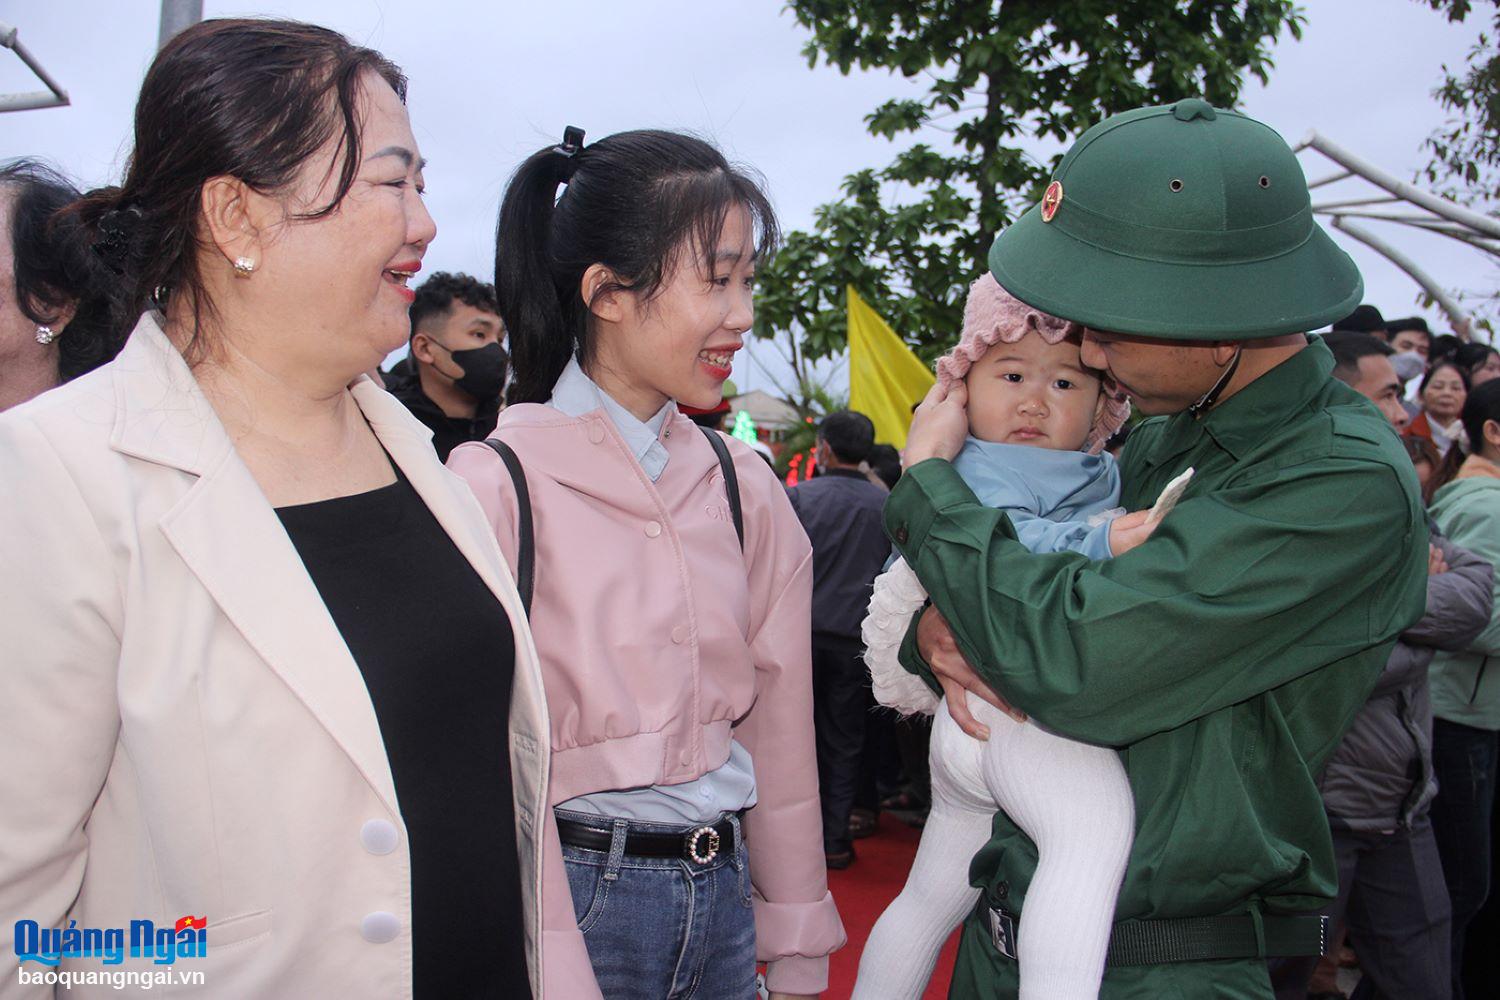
[[453, 377]]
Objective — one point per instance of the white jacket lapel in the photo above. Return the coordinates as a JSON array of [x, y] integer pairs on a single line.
[[231, 539]]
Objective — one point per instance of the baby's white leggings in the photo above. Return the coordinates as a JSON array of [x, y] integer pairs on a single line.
[[1072, 799]]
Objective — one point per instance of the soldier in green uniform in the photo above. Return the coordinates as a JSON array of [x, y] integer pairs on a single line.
[[1226, 655]]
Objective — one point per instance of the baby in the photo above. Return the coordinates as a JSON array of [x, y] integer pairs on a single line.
[[1038, 420]]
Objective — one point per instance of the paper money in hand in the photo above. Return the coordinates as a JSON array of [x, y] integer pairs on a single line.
[[1169, 497]]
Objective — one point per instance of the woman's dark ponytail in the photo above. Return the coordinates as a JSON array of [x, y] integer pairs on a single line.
[[531, 305], [116, 239], [632, 202], [56, 271]]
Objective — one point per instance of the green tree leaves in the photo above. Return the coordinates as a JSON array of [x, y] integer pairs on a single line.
[[911, 235], [1465, 164]]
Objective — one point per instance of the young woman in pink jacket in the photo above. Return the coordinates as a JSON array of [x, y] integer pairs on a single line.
[[670, 603]]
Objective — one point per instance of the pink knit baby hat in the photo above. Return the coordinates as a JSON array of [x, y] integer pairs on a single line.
[[994, 316]]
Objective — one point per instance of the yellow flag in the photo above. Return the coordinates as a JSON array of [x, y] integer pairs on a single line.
[[885, 378]]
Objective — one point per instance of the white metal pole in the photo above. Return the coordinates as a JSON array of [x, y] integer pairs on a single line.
[[1330, 179], [1400, 188], [176, 15], [1428, 224], [1330, 206], [1456, 315], [54, 96]]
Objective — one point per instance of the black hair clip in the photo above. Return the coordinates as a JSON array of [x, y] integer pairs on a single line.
[[116, 229], [571, 146]]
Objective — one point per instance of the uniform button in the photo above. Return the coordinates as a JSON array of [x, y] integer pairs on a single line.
[[706, 792], [596, 432], [379, 836], [1002, 890], [686, 758], [379, 927], [653, 529], [679, 635], [901, 534]]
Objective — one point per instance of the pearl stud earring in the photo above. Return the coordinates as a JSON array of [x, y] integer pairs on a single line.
[[44, 335], [243, 267]]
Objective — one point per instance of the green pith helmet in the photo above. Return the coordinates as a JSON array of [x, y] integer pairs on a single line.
[[1183, 222]]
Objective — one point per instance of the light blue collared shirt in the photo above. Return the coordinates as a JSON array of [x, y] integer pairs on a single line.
[[576, 394], [1058, 501], [730, 787], [1053, 497]]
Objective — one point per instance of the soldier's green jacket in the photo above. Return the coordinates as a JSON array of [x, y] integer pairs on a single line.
[[1224, 657]]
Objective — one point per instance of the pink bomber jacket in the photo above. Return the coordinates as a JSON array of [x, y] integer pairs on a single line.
[[659, 640]]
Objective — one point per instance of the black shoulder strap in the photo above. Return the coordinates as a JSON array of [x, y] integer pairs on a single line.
[[526, 556], [731, 481]]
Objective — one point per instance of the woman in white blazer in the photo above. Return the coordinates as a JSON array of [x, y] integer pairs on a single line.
[[265, 681]]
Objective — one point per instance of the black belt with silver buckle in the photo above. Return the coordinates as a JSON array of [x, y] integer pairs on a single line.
[[699, 846], [1191, 939]]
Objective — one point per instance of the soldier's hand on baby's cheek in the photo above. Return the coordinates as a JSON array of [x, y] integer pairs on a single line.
[[939, 425]]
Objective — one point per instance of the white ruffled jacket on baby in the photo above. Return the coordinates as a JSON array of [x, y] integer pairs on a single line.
[[1071, 799]]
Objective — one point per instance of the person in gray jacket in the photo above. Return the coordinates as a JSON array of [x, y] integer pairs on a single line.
[[1379, 784]]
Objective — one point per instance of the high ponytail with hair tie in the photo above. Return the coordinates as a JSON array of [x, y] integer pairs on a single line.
[[529, 299], [638, 204]]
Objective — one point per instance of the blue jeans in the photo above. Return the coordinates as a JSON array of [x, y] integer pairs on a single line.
[[1464, 759], [664, 928], [1395, 904]]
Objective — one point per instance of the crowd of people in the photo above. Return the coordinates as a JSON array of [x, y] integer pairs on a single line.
[[503, 672], [1410, 793]]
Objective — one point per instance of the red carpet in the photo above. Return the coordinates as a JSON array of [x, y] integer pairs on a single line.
[[863, 890]]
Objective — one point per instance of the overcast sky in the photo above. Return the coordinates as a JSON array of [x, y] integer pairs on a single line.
[[493, 81]]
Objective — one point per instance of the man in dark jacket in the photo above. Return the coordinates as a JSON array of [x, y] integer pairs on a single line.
[[1379, 783], [453, 376], [840, 510]]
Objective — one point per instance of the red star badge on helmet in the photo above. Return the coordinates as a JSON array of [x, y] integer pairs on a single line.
[[1051, 199]]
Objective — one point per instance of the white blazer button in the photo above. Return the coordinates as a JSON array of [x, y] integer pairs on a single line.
[[379, 836], [679, 635], [379, 927], [596, 432], [653, 529]]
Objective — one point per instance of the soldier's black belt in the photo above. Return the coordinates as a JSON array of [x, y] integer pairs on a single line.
[[1191, 939]]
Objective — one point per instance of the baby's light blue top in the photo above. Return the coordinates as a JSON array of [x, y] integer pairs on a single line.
[[1050, 495]]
